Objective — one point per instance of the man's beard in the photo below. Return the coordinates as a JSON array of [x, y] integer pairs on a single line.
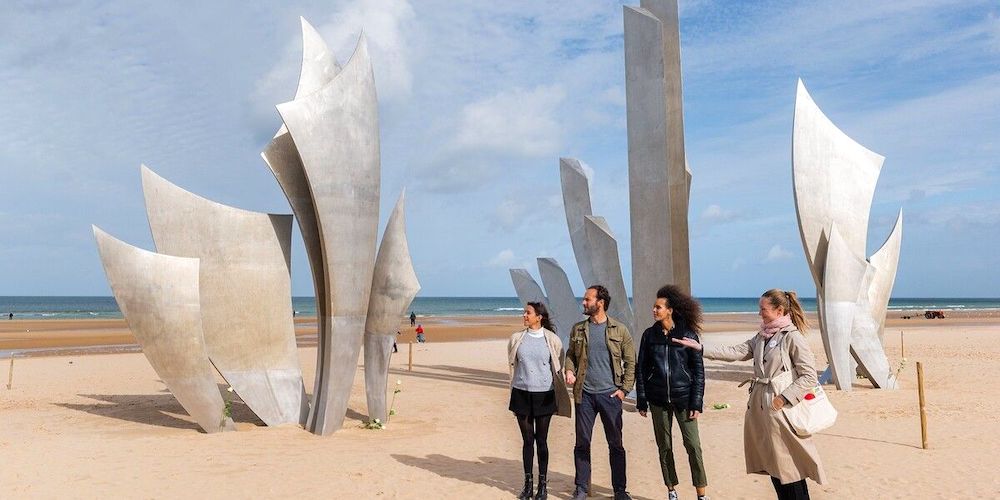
[[590, 311]]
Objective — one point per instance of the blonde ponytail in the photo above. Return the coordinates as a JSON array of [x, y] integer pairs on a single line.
[[788, 302]]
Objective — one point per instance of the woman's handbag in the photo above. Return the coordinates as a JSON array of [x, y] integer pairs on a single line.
[[811, 415]]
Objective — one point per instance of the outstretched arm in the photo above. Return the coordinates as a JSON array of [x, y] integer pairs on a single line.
[[739, 352]]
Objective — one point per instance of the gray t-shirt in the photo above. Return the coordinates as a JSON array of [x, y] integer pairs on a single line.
[[599, 379], [533, 372]]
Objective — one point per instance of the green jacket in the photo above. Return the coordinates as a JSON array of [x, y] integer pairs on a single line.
[[620, 345]]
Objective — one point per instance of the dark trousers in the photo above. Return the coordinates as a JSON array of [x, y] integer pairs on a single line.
[[610, 410], [790, 491]]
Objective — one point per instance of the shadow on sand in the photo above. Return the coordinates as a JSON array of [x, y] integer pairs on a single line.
[[501, 473], [153, 409], [457, 374]]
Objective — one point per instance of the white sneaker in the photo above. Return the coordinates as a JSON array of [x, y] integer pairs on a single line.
[[672, 495]]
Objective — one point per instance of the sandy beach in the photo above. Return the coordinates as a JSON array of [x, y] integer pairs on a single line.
[[84, 425]]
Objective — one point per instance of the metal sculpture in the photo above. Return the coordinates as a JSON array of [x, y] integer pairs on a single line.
[[245, 284], [160, 299], [834, 182], [659, 179], [563, 305], [394, 285], [526, 287]]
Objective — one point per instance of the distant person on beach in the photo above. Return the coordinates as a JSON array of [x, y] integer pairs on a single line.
[[394, 347], [537, 391], [670, 381], [770, 445], [420, 334], [600, 365], [10, 316], [413, 318]]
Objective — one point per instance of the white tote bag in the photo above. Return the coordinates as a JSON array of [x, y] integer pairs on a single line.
[[811, 415]]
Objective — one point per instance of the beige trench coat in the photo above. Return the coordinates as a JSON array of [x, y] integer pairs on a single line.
[[770, 445], [564, 407]]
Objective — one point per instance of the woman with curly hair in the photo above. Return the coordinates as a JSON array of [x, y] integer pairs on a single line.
[[670, 381], [538, 390], [784, 375]]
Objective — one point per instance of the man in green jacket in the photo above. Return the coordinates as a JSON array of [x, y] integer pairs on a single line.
[[600, 364]]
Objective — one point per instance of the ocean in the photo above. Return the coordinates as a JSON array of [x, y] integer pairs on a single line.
[[105, 307]]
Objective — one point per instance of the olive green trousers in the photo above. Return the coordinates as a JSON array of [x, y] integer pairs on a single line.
[[662, 428]]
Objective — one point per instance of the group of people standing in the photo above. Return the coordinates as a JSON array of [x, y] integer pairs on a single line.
[[602, 366]]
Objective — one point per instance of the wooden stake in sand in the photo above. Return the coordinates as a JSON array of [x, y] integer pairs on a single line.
[[923, 408], [10, 372], [410, 366]]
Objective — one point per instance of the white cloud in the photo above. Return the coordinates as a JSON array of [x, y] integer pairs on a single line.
[[516, 121], [776, 253], [504, 258], [715, 213]]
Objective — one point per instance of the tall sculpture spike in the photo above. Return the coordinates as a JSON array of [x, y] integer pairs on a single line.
[[245, 259], [563, 306], [526, 287], [607, 265], [659, 179], [159, 297], [319, 67], [394, 285], [576, 203], [336, 133]]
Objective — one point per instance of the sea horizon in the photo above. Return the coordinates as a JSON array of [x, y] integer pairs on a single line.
[[105, 307]]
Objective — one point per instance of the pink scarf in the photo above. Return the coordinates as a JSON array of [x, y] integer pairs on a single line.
[[767, 330]]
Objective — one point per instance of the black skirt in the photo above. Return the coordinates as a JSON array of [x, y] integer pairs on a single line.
[[532, 404]]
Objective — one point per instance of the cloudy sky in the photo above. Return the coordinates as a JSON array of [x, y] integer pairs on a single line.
[[478, 100]]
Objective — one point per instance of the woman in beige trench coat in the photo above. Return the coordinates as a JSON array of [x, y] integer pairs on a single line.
[[770, 445]]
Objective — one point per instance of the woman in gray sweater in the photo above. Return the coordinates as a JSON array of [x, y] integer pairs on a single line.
[[538, 390]]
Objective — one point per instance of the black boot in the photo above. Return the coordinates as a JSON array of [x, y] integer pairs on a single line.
[[528, 486], [543, 493]]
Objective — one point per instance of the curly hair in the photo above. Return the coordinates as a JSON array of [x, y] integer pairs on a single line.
[[687, 310]]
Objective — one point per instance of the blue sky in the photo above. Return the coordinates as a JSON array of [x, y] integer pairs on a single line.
[[477, 103]]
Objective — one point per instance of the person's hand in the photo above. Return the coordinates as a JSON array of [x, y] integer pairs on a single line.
[[618, 394], [777, 403], [689, 343], [570, 378], [693, 414], [642, 413]]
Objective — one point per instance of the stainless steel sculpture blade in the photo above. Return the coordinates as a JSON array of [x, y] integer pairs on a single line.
[[885, 261], [576, 204], [604, 249], [563, 306], [834, 182], [245, 290], [159, 298], [335, 130], [394, 284], [659, 180], [526, 287], [318, 67], [845, 273]]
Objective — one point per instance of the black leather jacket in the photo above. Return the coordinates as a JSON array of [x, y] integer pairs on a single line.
[[669, 373]]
